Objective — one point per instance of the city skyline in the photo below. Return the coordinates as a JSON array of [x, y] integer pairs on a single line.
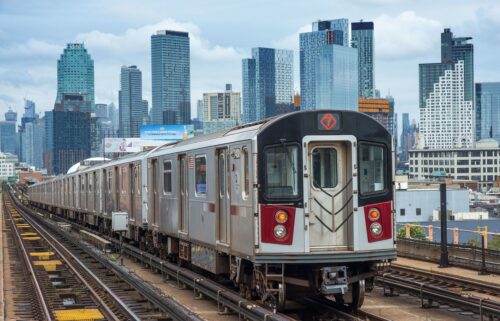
[[405, 36]]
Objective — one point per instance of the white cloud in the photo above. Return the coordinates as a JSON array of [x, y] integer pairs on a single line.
[[138, 41], [30, 48], [405, 36], [292, 41]]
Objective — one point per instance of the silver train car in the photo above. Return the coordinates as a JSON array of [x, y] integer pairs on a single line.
[[299, 203]]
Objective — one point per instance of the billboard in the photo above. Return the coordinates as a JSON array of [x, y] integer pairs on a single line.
[[167, 133], [128, 145]]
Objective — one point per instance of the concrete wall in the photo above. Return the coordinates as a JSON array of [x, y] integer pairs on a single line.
[[427, 200]]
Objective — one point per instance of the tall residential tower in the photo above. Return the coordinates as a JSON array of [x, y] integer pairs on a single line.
[[328, 68], [362, 39], [170, 71], [446, 90], [131, 109], [267, 83]]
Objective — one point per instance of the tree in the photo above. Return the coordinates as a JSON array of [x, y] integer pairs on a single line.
[[416, 232]]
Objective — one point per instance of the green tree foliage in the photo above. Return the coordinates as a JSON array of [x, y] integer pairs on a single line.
[[416, 232], [494, 243]]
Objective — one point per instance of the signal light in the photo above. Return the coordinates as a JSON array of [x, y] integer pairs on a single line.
[[281, 216], [374, 214]]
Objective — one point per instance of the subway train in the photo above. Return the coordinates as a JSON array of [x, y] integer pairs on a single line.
[[297, 204]]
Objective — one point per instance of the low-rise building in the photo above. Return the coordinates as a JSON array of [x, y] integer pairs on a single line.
[[481, 164], [6, 166]]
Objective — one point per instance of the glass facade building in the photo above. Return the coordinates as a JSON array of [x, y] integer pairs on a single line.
[[267, 83], [328, 72], [67, 140], [131, 109], [362, 39], [488, 110], [171, 82], [75, 73], [32, 143]]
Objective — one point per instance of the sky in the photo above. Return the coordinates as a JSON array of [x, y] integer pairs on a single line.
[[34, 33]]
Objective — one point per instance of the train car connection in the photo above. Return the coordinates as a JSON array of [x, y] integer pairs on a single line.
[[301, 203]]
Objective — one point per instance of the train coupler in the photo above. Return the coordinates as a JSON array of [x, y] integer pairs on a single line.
[[333, 280]]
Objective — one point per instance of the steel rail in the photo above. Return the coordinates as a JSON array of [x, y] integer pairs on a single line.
[[326, 306], [166, 303], [465, 282], [39, 292], [427, 291], [68, 259], [225, 298]]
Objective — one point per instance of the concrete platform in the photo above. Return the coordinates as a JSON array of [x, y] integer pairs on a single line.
[[452, 271]]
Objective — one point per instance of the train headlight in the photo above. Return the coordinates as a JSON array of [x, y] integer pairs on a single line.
[[279, 231], [281, 216], [374, 214], [376, 229]]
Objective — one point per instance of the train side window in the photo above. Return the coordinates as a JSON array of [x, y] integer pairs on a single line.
[[372, 168], [167, 177], [324, 167], [200, 170], [245, 158]]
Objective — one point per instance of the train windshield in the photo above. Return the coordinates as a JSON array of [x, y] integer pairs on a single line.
[[372, 164], [281, 171]]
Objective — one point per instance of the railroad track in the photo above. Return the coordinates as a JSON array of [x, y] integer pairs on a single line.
[[465, 295], [114, 297], [228, 300], [326, 310]]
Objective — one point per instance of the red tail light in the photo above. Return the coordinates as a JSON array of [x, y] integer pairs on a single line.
[[378, 219], [277, 224]]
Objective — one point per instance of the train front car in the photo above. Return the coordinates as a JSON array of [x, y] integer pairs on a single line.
[[325, 204]]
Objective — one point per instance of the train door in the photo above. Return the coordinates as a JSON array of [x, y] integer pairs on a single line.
[[183, 194], [328, 188], [117, 189], [105, 190], [153, 191], [224, 197], [131, 180]]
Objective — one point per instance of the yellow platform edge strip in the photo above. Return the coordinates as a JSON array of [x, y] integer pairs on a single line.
[[78, 315]]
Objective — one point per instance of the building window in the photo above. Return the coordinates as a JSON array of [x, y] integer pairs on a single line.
[[419, 211], [200, 169], [167, 176], [402, 212]]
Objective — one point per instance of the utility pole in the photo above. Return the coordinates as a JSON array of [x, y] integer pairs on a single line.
[[443, 263]]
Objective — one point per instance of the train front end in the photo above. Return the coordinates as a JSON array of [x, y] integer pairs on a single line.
[[325, 210]]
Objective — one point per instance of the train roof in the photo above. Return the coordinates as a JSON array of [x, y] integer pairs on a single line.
[[243, 132]]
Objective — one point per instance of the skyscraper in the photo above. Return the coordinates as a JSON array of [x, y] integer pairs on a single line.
[[171, 84], [405, 141], [488, 110], [8, 135], [328, 70], [114, 117], [130, 104], [447, 116], [75, 73], [32, 143], [267, 83], [362, 39], [68, 140]]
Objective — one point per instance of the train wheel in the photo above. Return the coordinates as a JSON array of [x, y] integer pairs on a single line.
[[354, 298]]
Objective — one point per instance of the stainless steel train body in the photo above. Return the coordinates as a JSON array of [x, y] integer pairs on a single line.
[[299, 201]]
